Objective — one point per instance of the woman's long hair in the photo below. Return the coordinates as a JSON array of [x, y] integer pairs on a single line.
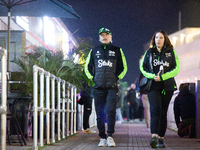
[[167, 42]]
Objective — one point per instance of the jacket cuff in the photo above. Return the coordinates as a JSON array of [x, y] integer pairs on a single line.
[[161, 79]]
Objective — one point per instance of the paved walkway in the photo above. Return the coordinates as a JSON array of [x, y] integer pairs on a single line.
[[128, 136]]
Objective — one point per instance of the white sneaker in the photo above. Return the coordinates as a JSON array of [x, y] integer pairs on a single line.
[[110, 141], [118, 122], [102, 143], [148, 129], [88, 131]]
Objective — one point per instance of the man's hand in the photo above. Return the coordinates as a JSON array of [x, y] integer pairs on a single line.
[[157, 78]]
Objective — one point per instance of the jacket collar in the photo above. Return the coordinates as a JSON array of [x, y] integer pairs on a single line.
[[106, 46]]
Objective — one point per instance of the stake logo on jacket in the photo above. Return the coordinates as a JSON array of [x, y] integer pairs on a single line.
[[109, 64]]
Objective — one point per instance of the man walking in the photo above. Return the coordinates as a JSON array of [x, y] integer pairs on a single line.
[[105, 65]]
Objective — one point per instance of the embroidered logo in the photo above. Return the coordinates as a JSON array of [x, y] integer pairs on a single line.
[[104, 63], [111, 53], [168, 54], [157, 62], [98, 54]]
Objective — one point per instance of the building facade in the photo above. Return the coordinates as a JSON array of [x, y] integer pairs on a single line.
[[27, 32], [186, 43]]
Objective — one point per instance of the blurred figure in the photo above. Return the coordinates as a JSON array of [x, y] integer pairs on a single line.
[[140, 112], [120, 98], [124, 109], [87, 97], [146, 105], [184, 109], [132, 106]]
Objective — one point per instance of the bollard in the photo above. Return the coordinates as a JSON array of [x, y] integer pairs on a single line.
[[197, 91]]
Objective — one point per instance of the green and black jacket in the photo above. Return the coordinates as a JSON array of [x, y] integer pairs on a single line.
[[105, 65], [171, 66]]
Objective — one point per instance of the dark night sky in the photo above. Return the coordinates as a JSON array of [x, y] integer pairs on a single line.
[[132, 23]]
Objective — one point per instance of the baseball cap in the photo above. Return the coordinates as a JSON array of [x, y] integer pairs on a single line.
[[106, 30]]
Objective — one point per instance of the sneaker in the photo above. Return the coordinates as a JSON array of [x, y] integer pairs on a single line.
[[110, 141], [161, 143], [147, 130], [118, 122], [88, 131], [102, 143], [154, 142]]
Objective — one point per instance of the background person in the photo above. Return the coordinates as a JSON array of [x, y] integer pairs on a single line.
[[105, 65], [124, 110], [184, 109], [87, 97], [120, 99], [132, 105], [140, 113], [160, 64], [146, 105]]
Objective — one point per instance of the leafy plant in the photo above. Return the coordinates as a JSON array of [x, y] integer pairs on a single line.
[[68, 70]]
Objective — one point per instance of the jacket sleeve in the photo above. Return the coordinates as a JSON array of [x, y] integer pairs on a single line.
[[89, 66], [175, 69], [121, 65], [144, 66]]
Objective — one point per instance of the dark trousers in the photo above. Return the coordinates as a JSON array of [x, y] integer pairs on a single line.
[[133, 111], [128, 112], [87, 111], [105, 103], [159, 102]]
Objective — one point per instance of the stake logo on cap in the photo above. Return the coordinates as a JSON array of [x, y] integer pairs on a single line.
[[104, 30]]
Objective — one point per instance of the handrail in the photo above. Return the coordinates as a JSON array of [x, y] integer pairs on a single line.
[[3, 106], [51, 82]]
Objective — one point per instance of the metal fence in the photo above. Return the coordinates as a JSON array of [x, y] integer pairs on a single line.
[[58, 106], [170, 113], [3, 107]]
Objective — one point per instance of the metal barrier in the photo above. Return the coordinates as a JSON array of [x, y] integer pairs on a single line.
[[170, 113], [50, 107], [3, 106]]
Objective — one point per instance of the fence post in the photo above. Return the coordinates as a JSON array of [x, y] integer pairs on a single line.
[[58, 103], [68, 89], [72, 99], [75, 109], [3, 98], [53, 108], [47, 106], [63, 109], [41, 106], [35, 96]]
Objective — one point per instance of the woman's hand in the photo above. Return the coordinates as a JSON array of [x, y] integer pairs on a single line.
[[157, 78]]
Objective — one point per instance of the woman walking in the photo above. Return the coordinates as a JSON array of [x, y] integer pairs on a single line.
[[160, 65]]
